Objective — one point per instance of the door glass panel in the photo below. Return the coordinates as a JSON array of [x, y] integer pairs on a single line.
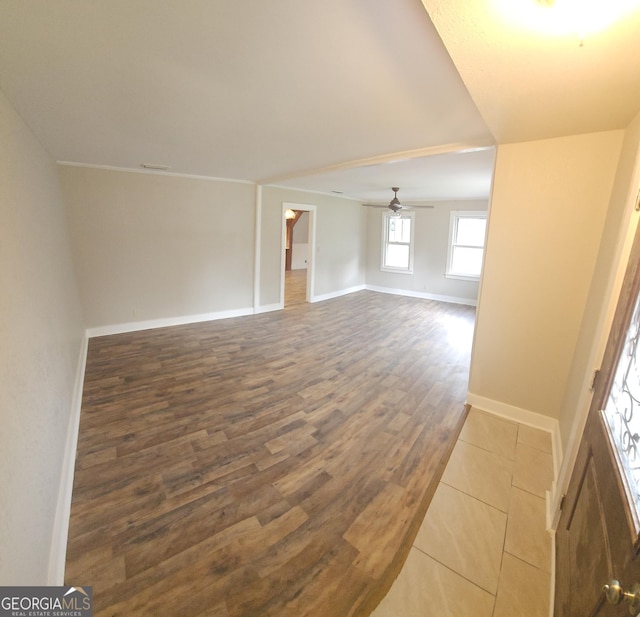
[[622, 411]]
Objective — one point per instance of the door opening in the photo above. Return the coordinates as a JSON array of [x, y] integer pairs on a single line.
[[298, 240], [598, 535]]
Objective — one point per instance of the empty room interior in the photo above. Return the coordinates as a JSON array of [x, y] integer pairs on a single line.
[[320, 309]]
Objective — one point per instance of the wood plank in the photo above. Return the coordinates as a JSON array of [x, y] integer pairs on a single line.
[[278, 464]]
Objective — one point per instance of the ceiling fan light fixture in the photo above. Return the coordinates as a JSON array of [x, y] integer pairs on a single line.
[[395, 204]]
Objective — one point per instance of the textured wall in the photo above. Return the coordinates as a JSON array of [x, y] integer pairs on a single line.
[[41, 332], [547, 213], [151, 246]]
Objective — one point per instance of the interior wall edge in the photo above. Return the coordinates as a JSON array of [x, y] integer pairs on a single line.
[[523, 416], [58, 549], [337, 294], [152, 172], [267, 308], [257, 247], [624, 191], [424, 295], [136, 326]]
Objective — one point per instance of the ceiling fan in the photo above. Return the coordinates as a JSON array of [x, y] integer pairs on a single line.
[[394, 205]]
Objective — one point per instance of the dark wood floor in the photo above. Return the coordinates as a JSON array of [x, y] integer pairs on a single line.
[[277, 464]]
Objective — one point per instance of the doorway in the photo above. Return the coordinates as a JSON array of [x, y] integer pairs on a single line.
[[598, 535], [298, 242]]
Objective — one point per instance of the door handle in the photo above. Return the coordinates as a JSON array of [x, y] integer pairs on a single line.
[[615, 594]]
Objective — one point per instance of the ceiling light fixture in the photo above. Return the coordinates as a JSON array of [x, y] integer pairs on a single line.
[[566, 17]]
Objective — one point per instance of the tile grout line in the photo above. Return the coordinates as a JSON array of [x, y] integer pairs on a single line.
[[444, 565], [455, 488], [508, 513]]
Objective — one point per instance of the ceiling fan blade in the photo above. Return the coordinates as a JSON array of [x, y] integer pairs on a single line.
[[395, 206]]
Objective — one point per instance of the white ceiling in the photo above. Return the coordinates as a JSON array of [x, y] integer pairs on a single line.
[[341, 95], [530, 74], [448, 176]]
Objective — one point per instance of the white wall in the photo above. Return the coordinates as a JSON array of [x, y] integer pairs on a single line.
[[340, 243], [340, 246], [618, 231], [547, 213], [615, 245], [301, 229], [41, 339], [300, 244], [299, 255], [430, 255], [151, 246]]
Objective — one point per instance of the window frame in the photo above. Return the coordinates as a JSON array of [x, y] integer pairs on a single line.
[[387, 216], [456, 215]]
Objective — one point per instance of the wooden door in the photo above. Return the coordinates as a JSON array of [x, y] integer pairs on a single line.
[[597, 536]]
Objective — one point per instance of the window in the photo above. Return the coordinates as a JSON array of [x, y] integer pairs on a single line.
[[467, 244], [397, 242]]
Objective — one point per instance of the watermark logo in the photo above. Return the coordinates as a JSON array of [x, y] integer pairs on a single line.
[[46, 601]]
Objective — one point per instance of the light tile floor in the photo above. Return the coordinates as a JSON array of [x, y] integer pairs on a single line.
[[482, 549]]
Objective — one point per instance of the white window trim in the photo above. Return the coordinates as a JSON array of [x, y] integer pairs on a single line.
[[453, 222], [385, 226]]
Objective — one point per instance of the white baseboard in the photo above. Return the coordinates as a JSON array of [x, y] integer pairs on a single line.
[[524, 416], [58, 551], [420, 294], [267, 308], [337, 294], [135, 326]]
